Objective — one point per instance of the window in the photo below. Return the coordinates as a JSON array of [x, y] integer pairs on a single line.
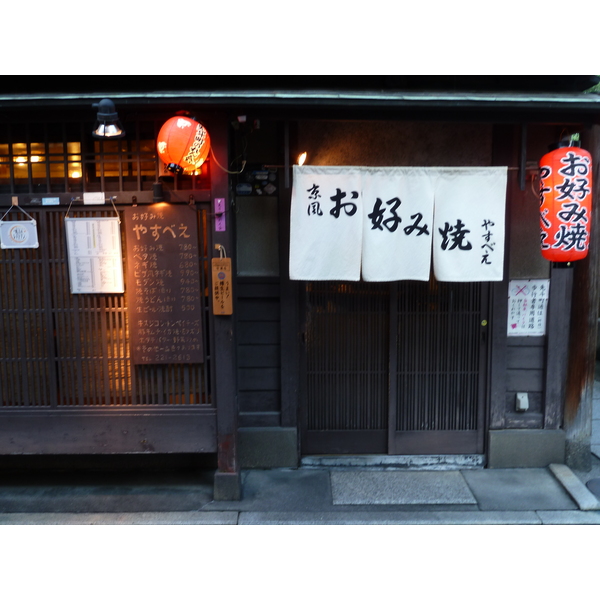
[[63, 157]]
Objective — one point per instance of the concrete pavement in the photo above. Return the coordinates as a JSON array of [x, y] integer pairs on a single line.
[[552, 495], [311, 495]]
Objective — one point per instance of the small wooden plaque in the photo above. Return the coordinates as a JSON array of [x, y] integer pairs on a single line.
[[221, 286]]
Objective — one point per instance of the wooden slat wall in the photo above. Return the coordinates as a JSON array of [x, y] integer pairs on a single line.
[[59, 349], [525, 372], [438, 356], [258, 352], [347, 356]]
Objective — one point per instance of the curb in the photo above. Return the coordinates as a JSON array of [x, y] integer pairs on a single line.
[[575, 488]]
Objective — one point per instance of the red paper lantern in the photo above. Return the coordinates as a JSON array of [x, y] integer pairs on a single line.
[[565, 203], [183, 144]]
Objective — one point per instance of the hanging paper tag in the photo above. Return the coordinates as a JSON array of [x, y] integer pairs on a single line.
[[18, 234], [221, 285]]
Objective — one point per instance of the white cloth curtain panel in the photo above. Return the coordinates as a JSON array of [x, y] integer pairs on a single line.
[[383, 222], [326, 224], [468, 242], [398, 221]]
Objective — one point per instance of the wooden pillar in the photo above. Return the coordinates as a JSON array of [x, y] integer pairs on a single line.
[[503, 153], [227, 478], [584, 320]]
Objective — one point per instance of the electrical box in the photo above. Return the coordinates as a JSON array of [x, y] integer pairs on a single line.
[[522, 402]]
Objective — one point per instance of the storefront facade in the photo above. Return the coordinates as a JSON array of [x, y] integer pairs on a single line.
[[299, 370]]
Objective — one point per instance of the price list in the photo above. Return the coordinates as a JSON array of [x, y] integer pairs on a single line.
[[163, 283]]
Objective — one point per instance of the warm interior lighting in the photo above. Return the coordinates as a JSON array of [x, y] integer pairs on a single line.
[[22, 160], [302, 159]]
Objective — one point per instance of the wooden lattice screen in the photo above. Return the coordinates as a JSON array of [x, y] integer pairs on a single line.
[[393, 363], [438, 356], [59, 349]]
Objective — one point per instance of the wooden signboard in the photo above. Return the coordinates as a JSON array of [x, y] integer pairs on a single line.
[[221, 284], [163, 284]]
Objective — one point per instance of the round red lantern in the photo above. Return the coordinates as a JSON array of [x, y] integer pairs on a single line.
[[565, 203], [183, 144]]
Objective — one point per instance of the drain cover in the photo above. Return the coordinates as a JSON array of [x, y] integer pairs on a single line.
[[594, 486]]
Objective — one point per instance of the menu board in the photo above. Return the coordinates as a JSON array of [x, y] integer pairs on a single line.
[[163, 284], [95, 258]]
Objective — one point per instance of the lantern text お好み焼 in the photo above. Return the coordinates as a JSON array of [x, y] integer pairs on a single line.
[[565, 203]]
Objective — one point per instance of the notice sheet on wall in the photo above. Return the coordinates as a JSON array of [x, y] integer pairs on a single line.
[[94, 254], [527, 307]]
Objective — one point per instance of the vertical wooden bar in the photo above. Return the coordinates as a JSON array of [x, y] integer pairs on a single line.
[[52, 385], [24, 361], [393, 392], [107, 360], [584, 324], [227, 484], [290, 329], [557, 345], [502, 155]]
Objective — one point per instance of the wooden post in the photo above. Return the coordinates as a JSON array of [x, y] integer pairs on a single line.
[[504, 153], [584, 321], [227, 478]]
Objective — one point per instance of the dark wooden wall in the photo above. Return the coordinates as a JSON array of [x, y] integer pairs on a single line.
[[258, 351], [525, 372]]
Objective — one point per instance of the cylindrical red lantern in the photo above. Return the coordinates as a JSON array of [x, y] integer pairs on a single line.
[[183, 144], [565, 203]]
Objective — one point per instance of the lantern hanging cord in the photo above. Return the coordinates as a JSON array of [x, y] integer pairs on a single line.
[[223, 168]]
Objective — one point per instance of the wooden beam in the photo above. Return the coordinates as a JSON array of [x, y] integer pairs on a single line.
[[557, 347], [584, 321], [227, 478], [504, 153]]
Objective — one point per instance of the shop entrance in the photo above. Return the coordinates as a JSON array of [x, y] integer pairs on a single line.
[[394, 368]]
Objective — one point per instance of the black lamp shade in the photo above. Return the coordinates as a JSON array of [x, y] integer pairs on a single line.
[[107, 124]]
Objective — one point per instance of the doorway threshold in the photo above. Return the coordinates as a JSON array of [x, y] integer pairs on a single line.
[[429, 462]]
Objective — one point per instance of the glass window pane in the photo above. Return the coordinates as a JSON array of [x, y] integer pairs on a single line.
[[258, 236]]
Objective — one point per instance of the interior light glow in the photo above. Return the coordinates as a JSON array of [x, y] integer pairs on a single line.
[[302, 159]]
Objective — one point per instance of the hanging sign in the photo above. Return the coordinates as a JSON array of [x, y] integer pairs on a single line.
[[382, 223], [163, 284], [221, 285], [527, 307], [94, 255], [18, 234]]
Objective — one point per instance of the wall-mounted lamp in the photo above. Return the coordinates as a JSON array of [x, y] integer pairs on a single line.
[[107, 124], [302, 159]]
